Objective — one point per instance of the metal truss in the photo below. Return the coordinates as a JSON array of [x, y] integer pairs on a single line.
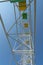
[[23, 42]]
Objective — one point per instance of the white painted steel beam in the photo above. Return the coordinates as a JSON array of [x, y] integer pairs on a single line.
[[4, 0]]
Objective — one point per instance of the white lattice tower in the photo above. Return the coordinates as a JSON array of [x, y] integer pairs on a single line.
[[24, 41]]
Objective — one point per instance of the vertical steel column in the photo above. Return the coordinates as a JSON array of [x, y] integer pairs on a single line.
[[34, 27], [34, 20]]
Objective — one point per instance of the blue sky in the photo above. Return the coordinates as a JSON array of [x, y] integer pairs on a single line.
[[39, 33], [4, 47]]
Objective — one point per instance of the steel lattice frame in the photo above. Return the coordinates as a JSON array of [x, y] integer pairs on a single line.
[[25, 51]]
